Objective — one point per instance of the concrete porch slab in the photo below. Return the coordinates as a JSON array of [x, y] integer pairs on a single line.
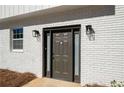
[[48, 82]]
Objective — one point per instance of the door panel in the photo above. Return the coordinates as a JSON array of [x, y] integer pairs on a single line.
[[62, 55]]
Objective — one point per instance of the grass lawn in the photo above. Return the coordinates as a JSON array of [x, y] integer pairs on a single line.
[[14, 79]]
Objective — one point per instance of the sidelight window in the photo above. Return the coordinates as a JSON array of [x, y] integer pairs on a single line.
[[76, 55], [48, 52]]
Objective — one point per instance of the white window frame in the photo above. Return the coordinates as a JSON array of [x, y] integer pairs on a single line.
[[12, 39]]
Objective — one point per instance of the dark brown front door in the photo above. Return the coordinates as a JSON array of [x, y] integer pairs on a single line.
[[62, 55]]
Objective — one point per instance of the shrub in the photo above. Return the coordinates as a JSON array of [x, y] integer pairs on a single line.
[[115, 83]]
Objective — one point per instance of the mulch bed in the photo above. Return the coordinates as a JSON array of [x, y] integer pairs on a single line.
[[14, 79]]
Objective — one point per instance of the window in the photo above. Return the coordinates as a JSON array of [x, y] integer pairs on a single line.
[[17, 39], [76, 50], [48, 52]]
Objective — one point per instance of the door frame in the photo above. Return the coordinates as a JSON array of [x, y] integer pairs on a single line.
[[49, 29]]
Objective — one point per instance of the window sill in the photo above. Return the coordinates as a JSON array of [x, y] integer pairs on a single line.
[[18, 50]]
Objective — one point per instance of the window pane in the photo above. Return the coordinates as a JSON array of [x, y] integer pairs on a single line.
[[76, 45], [19, 30], [14, 31], [18, 33], [17, 44], [17, 36], [14, 36], [21, 36]]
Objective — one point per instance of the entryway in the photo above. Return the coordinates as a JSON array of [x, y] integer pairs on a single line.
[[61, 47]]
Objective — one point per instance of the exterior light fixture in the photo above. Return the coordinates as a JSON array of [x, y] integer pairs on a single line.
[[90, 32], [35, 33]]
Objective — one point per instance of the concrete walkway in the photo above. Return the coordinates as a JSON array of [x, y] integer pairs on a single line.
[[48, 82]]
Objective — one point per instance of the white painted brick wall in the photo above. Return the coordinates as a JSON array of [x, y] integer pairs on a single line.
[[102, 60], [28, 61]]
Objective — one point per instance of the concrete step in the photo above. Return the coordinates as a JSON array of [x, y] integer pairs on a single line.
[[48, 82]]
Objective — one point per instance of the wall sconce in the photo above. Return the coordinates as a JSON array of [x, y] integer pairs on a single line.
[[90, 32], [35, 33]]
